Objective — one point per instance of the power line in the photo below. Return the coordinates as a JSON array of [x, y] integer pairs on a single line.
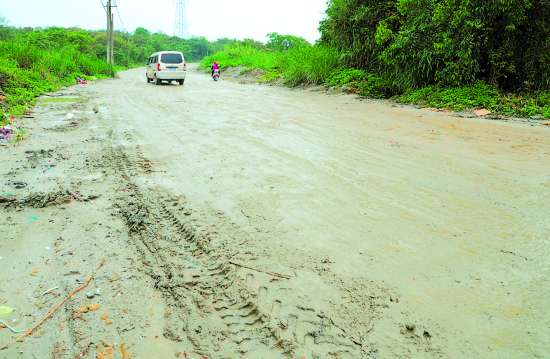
[[103, 5], [124, 28], [126, 32]]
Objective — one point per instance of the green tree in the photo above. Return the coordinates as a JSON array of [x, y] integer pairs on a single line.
[[414, 43]]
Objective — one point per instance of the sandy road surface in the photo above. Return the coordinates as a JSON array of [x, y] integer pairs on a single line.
[[242, 221]]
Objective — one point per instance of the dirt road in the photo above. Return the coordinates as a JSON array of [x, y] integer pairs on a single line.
[[245, 221]]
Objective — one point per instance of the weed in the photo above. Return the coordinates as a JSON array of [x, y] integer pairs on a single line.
[[346, 77]]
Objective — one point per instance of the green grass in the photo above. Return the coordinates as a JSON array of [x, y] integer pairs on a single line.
[[481, 95], [29, 68], [320, 65], [304, 64], [60, 99], [37, 61], [243, 55]]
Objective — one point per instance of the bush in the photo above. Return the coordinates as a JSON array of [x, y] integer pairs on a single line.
[[480, 95], [303, 64], [243, 55], [343, 77], [35, 62], [308, 65], [416, 43], [377, 87]]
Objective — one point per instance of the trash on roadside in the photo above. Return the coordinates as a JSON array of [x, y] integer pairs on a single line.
[[124, 351], [105, 319], [77, 313], [5, 311], [81, 81], [105, 352], [6, 132], [3, 324], [49, 291], [480, 112], [91, 295], [70, 116], [35, 272]]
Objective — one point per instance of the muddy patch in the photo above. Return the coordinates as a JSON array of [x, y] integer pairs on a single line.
[[220, 302], [45, 199]]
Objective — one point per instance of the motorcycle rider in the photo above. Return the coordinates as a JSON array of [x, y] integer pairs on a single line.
[[215, 66]]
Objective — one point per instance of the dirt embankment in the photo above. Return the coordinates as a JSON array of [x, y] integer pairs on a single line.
[[257, 222]]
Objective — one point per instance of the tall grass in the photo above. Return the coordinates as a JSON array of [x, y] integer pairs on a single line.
[[308, 65], [247, 56], [304, 64], [29, 69], [35, 61], [321, 65]]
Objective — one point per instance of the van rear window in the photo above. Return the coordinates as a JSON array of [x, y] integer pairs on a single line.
[[172, 59]]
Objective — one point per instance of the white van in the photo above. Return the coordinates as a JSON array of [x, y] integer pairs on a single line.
[[166, 66]]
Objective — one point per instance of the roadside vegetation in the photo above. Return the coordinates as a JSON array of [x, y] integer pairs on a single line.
[[37, 61], [453, 54]]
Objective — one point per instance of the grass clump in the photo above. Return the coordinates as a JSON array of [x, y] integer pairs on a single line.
[[309, 65], [300, 64], [244, 55], [481, 95], [36, 62], [305, 64], [346, 77]]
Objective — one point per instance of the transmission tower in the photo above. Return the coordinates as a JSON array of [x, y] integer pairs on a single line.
[[181, 28]]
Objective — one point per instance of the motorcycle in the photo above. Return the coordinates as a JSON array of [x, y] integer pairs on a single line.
[[216, 75]]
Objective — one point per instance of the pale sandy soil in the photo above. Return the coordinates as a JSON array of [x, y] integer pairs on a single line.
[[368, 230]]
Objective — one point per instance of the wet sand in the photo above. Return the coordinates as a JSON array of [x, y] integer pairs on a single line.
[[247, 221]]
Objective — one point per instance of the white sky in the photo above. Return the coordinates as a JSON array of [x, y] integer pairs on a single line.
[[210, 18]]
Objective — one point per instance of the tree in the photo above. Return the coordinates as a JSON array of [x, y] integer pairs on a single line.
[[284, 42], [415, 43]]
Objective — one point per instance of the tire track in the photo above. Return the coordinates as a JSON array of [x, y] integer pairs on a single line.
[[214, 306]]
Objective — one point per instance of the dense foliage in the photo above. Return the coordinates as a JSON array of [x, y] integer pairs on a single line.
[[132, 49], [304, 63], [35, 61], [414, 43]]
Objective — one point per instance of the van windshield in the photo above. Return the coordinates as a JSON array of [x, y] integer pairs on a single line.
[[172, 59]]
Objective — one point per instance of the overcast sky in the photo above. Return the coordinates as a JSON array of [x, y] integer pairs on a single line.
[[210, 18]]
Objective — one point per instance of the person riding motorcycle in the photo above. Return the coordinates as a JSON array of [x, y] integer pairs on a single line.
[[215, 66]]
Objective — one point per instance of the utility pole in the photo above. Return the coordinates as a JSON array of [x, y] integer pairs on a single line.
[[110, 37]]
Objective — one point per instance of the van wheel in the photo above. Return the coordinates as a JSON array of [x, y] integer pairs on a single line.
[[181, 82], [148, 79], [158, 81]]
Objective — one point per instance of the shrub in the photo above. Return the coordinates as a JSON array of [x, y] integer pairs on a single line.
[[377, 87], [243, 55], [308, 65], [346, 76], [304, 64], [479, 95], [415, 43]]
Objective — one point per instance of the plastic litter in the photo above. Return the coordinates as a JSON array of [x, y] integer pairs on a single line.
[[482, 112], [5, 311], [6, 132], [11, 329]]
